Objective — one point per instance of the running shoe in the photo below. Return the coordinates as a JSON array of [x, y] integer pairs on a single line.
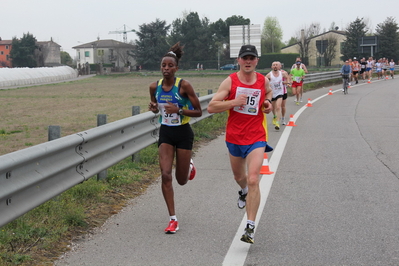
[[249, 234], [193, 170], [277, 127], [274, 120], [297, 103], [242, 200], [283, 121], [173, 226], [300, 99]]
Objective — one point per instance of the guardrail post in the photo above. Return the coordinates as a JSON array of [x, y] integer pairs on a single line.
[[210, 92], [102, 120], [136, 111], [54, 132]]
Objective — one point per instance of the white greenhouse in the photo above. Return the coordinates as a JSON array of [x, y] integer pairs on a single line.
[[20, 77]]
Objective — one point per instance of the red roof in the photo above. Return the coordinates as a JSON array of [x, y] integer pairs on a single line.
[[6, 42]]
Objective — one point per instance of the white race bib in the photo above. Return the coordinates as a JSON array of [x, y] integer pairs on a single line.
[[253, 98], [169, 119]]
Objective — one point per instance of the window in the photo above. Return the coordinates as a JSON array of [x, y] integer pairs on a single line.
[[87, 53], [7, 47], [1, 52], [100, 52]]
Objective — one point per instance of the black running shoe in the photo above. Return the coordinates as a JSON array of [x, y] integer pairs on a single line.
[[241, 200]]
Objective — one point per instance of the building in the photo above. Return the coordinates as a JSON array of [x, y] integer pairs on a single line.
[[48, 54], [317, 47], [106, 52], [5, 48]]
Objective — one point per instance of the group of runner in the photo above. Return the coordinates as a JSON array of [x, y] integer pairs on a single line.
[[365, 68], [280, 80]]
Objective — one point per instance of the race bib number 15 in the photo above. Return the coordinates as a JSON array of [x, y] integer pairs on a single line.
[[253, 98]]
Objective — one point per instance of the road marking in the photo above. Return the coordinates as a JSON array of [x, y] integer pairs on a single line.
[[238, 251]]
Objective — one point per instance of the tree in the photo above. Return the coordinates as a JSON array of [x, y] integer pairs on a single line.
[[196, 38], [355, 30], [388, 37], [271, 35], [66, 59], [303, 38], [292, 41], [200, 43], [237, 20], [23, 51], [330, 50], [152, 44], [222, 33]]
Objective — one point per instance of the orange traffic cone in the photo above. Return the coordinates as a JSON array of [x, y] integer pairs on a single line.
[[291, 123], [309, 104], [330, 92], [265, 167], [369, 81]]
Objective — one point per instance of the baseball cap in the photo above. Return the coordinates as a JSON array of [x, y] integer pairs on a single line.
[[354, 58], [248, 49]]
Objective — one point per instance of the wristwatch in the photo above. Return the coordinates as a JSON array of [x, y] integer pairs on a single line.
[[180, 111]]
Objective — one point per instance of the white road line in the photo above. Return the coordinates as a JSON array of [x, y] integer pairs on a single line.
[[238, 251]]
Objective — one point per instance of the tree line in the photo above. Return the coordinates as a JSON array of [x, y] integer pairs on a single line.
[[207, 42]]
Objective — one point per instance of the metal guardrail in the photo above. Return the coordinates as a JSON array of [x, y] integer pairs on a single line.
[[310, 78], [34, 175]]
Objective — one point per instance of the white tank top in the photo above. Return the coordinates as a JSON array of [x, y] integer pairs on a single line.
[[276, 84]]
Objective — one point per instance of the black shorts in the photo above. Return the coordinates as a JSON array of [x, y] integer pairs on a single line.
[[181, 137], [278, 97], [285, 96]]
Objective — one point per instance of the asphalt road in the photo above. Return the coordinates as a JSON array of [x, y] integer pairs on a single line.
[[333, 199]]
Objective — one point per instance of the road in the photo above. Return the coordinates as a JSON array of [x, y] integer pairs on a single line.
[[333, 199]]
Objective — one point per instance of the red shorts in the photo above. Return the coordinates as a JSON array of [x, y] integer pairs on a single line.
[[297, 84]]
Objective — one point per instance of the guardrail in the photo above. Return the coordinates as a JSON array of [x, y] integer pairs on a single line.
[[310, 78], [34, 175]]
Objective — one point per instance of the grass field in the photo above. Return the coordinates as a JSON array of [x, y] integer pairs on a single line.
[[26, 113]]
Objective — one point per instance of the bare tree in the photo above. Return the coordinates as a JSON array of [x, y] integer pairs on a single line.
[[330, 51], [303, 37]]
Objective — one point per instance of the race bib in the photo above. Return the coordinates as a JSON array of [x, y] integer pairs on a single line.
[[276, 86], [298, 79], [169, 119], [253, 98]]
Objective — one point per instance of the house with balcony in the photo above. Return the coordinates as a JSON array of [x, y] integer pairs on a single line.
[[107, 52]]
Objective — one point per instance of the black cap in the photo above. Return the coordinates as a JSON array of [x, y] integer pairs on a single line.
[[248, 49]]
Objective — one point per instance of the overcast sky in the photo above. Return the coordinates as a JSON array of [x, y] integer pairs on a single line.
[[71, 22]]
